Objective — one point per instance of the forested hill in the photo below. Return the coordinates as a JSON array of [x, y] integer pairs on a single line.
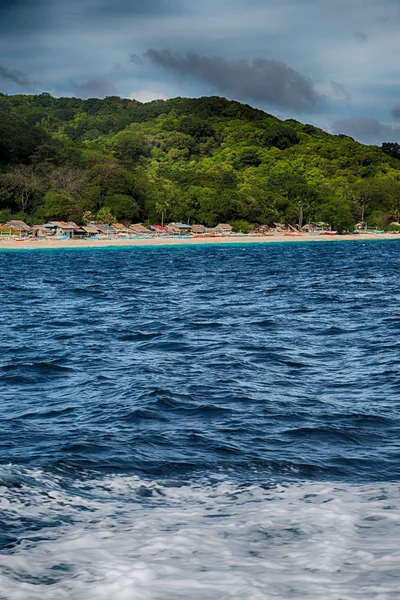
[[202, 160]]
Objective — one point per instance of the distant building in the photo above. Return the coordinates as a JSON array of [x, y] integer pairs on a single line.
[[138, 229], [173, 229], [198, 229], [91, 229], [18, 227], [159, 229], [224, 228], [183, 227], [64, 228], [105, 229]]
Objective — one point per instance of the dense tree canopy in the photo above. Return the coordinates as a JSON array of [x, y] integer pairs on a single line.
[[199, 160]]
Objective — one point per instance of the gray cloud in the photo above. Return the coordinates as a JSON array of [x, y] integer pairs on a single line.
[[395, 112], [95, 88], [368, 130], [360, 36], [17, 77], [134, 58], [340, 91], [263, 81]]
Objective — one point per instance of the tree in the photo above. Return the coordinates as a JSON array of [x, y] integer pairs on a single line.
[[280, 136], [162, 206], [87, 217], [25, 182], [131, 147], [391, 148], [60, 206], [249, 156], [123, 207], [336, 212], [105, 215]]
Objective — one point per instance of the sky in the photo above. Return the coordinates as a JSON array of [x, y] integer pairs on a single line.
[[334, 64]]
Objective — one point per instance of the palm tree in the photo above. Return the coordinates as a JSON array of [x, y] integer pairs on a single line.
[[162, 206]]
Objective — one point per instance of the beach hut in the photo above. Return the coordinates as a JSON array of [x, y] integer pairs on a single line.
[[138, 229], [173, 229], [120, 228], [184, 228], [90, 230], [64, 228], [198, 229], [40, 231], [159, 229], [105, 229], [17, 227], [224, 228]]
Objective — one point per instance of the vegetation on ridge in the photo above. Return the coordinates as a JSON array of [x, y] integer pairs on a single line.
[[201, 160]]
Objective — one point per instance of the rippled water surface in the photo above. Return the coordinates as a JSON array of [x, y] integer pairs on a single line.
[[203, 423]]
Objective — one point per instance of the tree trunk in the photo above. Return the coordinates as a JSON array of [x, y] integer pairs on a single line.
[[363, 211]]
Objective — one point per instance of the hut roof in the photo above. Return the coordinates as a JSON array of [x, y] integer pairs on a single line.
[[224, 227], [17, 225], [120, 227], [40, 228], [104, 228], [182, 225], [138, 228], [199, 228], [70, 226], [159, 228], [90, 229], [172, 228]]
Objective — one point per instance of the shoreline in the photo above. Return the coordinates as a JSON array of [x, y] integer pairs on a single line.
[[163, 242]]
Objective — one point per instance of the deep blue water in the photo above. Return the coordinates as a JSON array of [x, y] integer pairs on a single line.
[[158, 386]]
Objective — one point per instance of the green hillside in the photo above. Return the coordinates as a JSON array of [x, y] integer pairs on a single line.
[[201, 160]]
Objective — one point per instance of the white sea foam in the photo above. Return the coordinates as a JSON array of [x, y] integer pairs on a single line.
[[121, 538]]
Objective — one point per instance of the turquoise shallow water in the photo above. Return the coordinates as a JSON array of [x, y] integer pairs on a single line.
[[203, 422]]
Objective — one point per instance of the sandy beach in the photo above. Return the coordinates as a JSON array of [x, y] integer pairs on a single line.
[[32, 244]]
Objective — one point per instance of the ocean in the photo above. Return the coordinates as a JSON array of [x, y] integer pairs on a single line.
[[203, 423]]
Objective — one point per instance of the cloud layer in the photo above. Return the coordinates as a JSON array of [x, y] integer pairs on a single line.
[[262, 81], [15, 76], [95, 88], [368, 130]]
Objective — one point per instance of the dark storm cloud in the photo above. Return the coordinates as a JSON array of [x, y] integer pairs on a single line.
[[263, 81], [395, 112], [15, 76], [95, 88], [368, 130]]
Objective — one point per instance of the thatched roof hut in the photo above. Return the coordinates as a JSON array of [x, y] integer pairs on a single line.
[[105, 229], [120, 228], [40, 231], [199, 229], [173, 229], [224, 228], [138, 229], [16, 226], [90, 229]]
